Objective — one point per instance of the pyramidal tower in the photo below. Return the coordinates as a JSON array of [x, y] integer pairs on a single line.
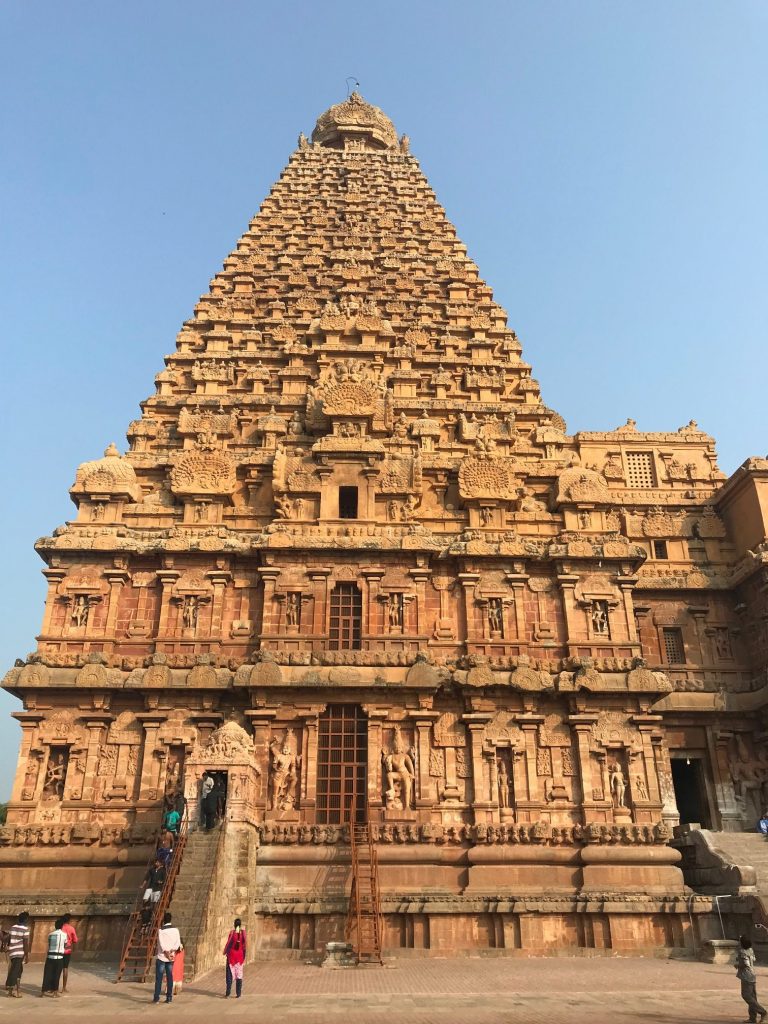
[[353, 567]]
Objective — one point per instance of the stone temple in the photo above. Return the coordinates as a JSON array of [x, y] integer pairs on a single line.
[[351, 557]]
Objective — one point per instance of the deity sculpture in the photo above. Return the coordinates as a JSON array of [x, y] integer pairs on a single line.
[[189, 609], [495, 615], [292, 609], [599, 618], [80, 609], [400, 775], [284, 775], [282, 508], [55, 775], [617, 783], [503, 781], [395, 610], [640, 787]]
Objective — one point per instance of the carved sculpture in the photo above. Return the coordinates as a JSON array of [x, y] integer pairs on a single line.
[[284, 773], [399, 774]]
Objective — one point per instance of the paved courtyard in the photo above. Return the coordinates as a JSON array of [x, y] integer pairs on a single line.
[[471, 991]]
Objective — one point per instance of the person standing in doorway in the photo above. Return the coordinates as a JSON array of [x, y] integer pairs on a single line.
[[209, 802], [69, 931], [745, 972], [234, 951], [54, 962], [18, 954], [168, 945]]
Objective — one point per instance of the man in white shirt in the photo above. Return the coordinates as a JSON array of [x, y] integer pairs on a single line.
[[54, 962], [168, 945]]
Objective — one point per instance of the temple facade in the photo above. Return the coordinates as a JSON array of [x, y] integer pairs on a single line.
[[354, 562]]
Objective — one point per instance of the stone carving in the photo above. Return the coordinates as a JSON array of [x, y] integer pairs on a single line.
[[230, 742], [200, 471], [581, 484], [483, 476], [617, 784], [449, 730], [503, 782], [349, 390], [399, 775], [283, 773], [56, 773]]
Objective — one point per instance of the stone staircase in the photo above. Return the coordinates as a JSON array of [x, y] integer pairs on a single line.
[[724, 863], [192, 894]]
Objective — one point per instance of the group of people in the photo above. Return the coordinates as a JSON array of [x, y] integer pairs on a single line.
[[61, 942], [170, 946], [157, 873]]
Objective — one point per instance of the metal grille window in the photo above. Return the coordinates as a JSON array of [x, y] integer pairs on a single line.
[[674, 651], [342, 764], [660, 549], [346, 617], [640, 469]]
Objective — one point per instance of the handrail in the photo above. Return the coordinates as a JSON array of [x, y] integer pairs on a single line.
[[135, 926]]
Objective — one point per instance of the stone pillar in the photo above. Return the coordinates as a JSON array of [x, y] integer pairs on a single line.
[[149, 772], [269, 617], [309, 768], [95, 724], [219, 579], [29, 722], [372, 605], [648, 725], [582, 727], [167, 579], [718, 746], [481, 798], [626, 586], [469, 582], [319, 579], [54, 577], [517, 581], [423, 723], [421, 625], [376, 718], [261, 722], [117, 578], [568, 583], [530, 725]]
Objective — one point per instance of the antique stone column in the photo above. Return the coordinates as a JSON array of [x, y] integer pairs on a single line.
[[582, 727], [423, 723], [149, 774], [269, 576], [376, 718], [219, 578], [420, 578], [530, 726], [54, 577], [95, 725], [29, 722], [372, 604], [261, 722], [718, 745], [167, 579], [117, 578], [517, 582], [469, 582], [568, 583], [319, 579], [481, 797]]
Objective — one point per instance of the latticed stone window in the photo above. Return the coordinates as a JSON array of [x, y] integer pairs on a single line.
[[640, 472], [346, 618], [599, 617], [660, 549], [674, 650]]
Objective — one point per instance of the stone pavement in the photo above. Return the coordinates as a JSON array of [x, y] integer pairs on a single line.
[[418, 991]]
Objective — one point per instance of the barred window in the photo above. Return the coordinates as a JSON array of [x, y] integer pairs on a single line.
[[640, 471], [346, 618], [660, 549], [674, 651]]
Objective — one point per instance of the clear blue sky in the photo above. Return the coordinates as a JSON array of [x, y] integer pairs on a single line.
[[605, 162]]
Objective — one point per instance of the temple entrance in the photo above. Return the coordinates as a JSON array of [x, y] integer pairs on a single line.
[[690, 791], [342, 764]]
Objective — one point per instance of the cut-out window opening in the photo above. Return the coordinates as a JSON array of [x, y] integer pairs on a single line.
[[660, 549], [347, 503], [640, 472]]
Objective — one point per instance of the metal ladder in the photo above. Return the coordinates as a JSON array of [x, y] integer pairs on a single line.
[[140, 940], [364, 921]]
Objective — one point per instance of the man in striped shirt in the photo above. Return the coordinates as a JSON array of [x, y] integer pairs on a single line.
[[18, 954]]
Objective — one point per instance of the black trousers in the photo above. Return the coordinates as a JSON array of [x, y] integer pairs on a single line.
[[52, 973]]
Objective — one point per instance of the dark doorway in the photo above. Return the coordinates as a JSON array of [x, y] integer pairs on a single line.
[[342, 764], [347, 503], [690, 790]]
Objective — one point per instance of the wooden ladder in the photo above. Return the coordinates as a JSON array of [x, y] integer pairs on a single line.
[[140, 939], [364, 920]]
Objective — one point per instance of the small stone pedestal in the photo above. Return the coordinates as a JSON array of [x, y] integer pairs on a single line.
[[338, 954], [719, 951]]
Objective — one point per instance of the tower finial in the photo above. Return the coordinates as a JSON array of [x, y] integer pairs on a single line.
[[351, 78]]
